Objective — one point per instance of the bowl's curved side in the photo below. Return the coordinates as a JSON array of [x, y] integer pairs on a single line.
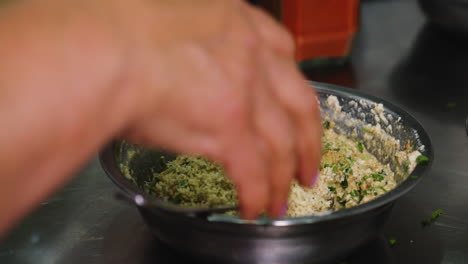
[[310, 238], [410, 124], [227, 243]]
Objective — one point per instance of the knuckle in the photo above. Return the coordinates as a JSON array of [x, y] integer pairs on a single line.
[[283, 149], [234, 110], [252, 41]]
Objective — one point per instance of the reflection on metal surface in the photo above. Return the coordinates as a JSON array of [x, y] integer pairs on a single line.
[[466, 125]]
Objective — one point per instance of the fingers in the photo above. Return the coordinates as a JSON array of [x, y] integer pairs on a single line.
[[299, 100], [247, 167], [273, 125], [272, 32], [241, 101], [293, 94]]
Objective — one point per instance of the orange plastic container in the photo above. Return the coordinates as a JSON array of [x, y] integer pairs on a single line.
[[321, 28]]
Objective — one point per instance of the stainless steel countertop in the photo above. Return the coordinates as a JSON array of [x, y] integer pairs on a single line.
[[396, 56]]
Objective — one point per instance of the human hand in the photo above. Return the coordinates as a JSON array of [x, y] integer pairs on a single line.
[[218, 78]]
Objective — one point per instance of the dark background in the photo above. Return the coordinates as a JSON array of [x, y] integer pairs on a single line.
[[397, 56]]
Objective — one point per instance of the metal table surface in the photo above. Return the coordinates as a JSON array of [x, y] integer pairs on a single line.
[[397, 56]]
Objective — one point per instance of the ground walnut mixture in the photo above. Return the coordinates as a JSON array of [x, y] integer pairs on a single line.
[[349, 176], [193, 181]]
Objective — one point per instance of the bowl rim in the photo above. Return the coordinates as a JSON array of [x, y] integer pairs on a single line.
[[111, 168]]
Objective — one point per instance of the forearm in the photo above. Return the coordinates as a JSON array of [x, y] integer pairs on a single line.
[[59, 99]]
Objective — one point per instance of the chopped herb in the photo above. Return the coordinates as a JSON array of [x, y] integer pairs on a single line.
[[332, 189], [414, 177], [382, 188], [347, 170], [360, 147], [354, 193], [326, 147], [434, 216], [344, 183], [342, 202], [326, 124], [377, 177], [422, 159], [406, 165], [335, 169], [451, 105], [177, 199], [327, 166], [380, 176], [392, 241], [365, 129], [373, 190], [182, 183]]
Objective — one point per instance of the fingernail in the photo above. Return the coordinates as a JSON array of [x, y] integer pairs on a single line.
[[284, 209], [314, 179]]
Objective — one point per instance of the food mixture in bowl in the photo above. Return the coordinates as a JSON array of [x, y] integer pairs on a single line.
[[349, 174], [192, 181]]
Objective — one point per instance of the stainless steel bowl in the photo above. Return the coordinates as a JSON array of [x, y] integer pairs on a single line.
[[309, 239]]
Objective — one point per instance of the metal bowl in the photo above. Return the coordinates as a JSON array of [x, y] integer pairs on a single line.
[[309, 239]]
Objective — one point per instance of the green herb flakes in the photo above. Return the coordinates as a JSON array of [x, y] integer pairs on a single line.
[[344, 183], [377, 177], [360, 147], [383, 189], [365, 129], [406, 165], [326, 124], [192, 181], [421, 159], [392, 242], [434, 216], [380, 176], [451, 105]]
